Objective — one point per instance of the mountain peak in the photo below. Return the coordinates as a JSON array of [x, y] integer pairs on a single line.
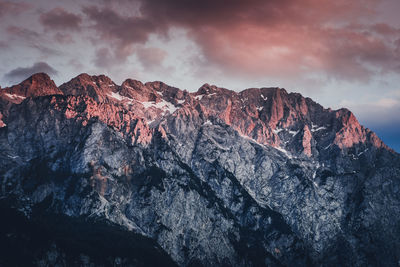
[[207, 89], [39, 84], [40, 76], [94, 86], [85, 78], [135, 84]]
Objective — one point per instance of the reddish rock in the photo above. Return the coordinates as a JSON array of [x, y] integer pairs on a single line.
[[2, 124], [270, 116], [306, 141], [351, 132], [38, 84], [97, 87]]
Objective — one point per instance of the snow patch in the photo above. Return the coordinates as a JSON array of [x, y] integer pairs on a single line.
[[208, 122], [163, 105], [119, 97], [359, 154], [327, 147], [199, 97], [277, 130], [294, 133], [287, 153], [264, 97], [103, 208], [129, 224], [284, 151], [13, 96], [116, 96], [316, 128], [181, 101], [260, 108]]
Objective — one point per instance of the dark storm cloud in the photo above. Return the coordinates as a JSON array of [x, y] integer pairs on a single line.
[[21, 73], [60, 19]]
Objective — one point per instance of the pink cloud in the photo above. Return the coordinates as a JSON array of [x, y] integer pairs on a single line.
[[258, 38]]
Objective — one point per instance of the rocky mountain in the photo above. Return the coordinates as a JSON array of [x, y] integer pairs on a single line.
[[98, 174]]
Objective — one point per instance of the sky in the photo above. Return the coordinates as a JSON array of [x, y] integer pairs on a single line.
[[340, 53]]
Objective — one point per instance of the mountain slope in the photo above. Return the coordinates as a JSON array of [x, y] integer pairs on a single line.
[[214, 177]]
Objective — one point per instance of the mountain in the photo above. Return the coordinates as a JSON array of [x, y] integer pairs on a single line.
[[95, 173]]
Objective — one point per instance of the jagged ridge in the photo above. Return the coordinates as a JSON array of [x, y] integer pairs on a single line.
[[270, 116]]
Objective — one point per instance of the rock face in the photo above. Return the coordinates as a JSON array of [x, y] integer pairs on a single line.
[[93, 173]]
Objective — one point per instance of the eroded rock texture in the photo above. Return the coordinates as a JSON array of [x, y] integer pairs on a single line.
[[93, 173]]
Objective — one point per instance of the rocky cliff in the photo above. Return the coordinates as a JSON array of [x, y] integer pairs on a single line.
[[93, 173]]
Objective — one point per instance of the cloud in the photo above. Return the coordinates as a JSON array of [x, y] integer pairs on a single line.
[[151, 57], [4, 45], [381, 116], [33, 39], [78, 66], [282, 38], [258, 38], [382, 112], [63, 38], [21, 73], [384, 29], [121, 33], [104, 58], [60, 19], [12, 8], [124, 30], [22, 33]]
